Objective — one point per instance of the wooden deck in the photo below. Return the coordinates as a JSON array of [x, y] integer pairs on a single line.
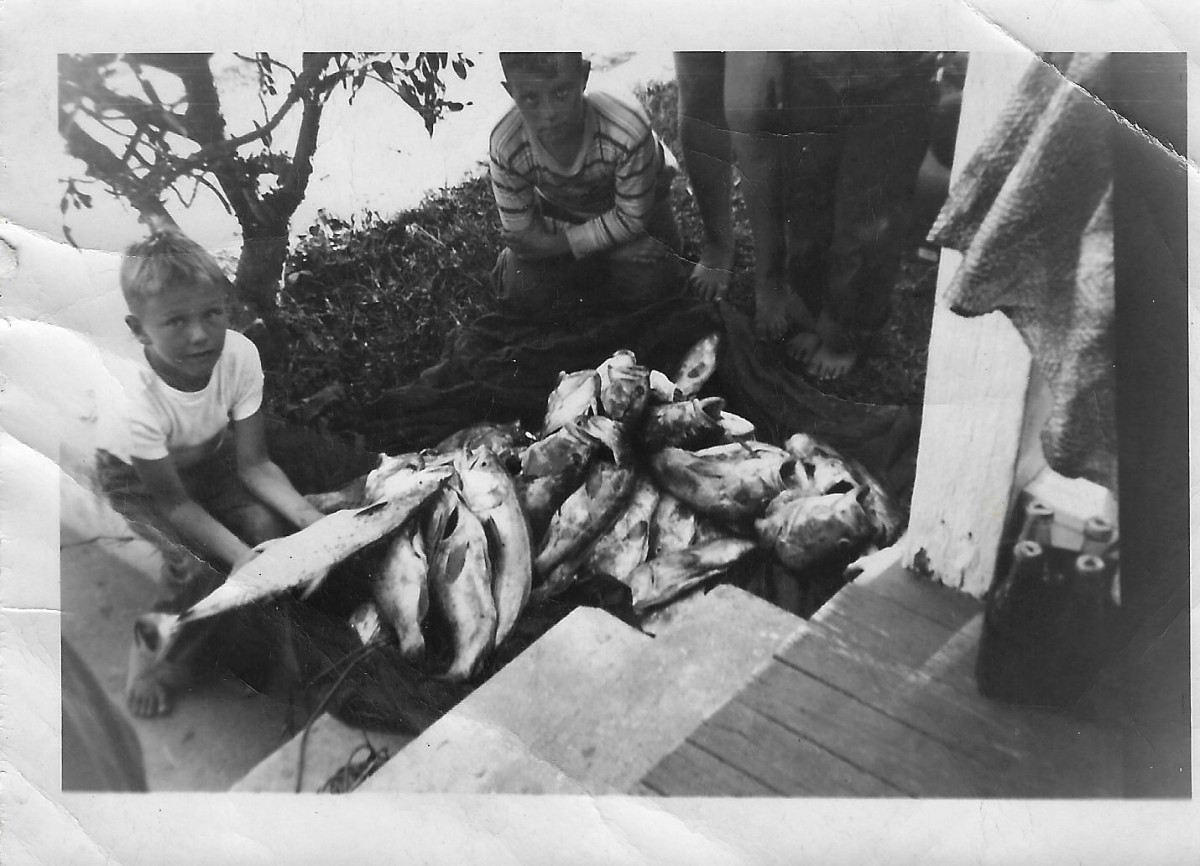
[[877, 698]]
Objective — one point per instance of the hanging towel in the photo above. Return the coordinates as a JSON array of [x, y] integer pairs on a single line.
[[1032, 214]]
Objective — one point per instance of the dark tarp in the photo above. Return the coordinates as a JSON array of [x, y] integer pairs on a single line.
[[503, 368]]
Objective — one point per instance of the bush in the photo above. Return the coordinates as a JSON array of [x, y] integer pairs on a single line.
[[368, 303]]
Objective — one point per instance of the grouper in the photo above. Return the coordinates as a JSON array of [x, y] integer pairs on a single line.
[[728, 482], [585, 514], [576, 396], [401, 589], [697, 366], [803, 530], [460, 581], [304, 558], [490, 494], [659, 580]]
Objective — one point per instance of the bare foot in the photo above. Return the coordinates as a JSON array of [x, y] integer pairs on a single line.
[[151, 680], [836, 356], [711, 276], [146, 697], [770, 311], [802, 347]]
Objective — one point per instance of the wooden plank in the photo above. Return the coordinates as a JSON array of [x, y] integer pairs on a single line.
[[690, 771], [899, 755], [1036, 751], [782, 758], [887, 631], [975, 394], [1031, 752], [920, 595]]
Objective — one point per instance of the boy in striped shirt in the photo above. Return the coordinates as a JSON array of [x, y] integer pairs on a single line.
[[582, 183]]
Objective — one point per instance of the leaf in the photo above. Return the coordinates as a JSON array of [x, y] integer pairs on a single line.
[[384, 70]]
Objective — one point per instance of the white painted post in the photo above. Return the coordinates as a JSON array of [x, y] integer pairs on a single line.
[[976, 388]]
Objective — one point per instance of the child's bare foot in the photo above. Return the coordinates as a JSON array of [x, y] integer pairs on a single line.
[[151, 680], [711, 276], [146, 697], [835, 356], [802, 347], [770, 311]]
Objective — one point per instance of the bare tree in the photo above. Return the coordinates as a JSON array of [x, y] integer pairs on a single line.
[[144, 148]]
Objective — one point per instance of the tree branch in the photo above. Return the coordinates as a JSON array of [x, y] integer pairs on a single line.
[[103, 165]]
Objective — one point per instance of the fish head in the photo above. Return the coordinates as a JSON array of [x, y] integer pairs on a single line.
[[366, 622], [698, 365], [662, 389]]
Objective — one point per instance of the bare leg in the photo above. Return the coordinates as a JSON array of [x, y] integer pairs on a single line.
[[804, 345], [708, 156], [753, 90]]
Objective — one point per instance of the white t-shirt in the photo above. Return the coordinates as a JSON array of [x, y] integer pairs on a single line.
[[188, 425]]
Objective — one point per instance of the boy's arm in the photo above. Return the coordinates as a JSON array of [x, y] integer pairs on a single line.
[[516, 198], [189, 518], [264, 478], [635, 189]]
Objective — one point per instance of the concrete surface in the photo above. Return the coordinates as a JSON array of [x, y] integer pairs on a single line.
[[218, 730], [594, 704]]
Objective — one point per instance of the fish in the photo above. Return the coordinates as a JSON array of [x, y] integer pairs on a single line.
[[552, 470], [662, 388], [566, 449], [832, 469], [398, 467], [352, 495], [686, 424], [401, 589], [672, 527], [735, 427], [623, 548], [727, 482], [658, 581], [506, 441], [585, 514], [490, 494], [697, 366], [460, 582], [367, 623], [614, 553], [624, 387], [542, 497], [803, 530], [576, 396], [304, 558]]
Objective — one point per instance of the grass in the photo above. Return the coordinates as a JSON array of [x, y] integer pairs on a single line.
[[368, 302]]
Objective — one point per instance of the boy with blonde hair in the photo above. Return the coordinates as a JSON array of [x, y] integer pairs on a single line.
[[200, 483], [582, 185]]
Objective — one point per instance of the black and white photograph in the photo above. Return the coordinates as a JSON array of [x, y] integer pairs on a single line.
[[667, 433]]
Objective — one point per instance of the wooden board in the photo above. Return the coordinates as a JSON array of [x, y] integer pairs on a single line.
[[877, 697], [975, 394]]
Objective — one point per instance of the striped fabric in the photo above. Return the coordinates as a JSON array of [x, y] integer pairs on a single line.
[[601, 200]]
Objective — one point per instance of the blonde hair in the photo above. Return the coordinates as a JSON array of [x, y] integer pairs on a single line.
[[166, 258]]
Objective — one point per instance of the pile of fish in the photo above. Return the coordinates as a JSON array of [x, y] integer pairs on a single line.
[[632, 477]]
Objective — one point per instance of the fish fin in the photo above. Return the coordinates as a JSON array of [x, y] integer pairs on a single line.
[[706, 469], [494, 543], [372, 508], [455, 563]]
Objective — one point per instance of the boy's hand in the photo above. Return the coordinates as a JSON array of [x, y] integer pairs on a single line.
[[536, 243], [250, 554]]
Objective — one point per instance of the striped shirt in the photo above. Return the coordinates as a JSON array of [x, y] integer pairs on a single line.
[[603, 198]]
